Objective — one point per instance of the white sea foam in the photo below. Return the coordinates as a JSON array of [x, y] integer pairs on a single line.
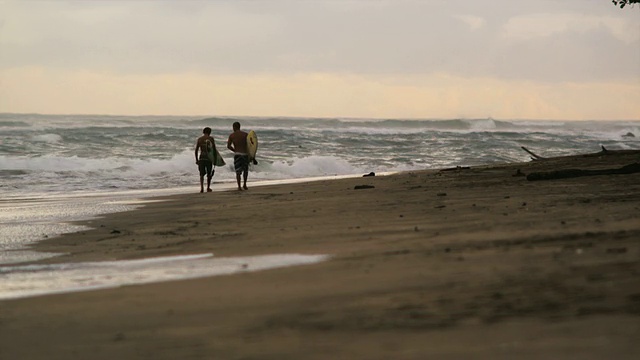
[[314, 165], [49, 138], [34, 280], [28, 220], [481, 124]]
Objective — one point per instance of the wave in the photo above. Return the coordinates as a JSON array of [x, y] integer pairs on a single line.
[[47, 138], [63, 174], [184, 163], [382, 126], [14, 124], [314, 165], [88, 152]]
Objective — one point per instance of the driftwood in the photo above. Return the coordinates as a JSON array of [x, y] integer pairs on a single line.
[[457, 168], [603, 152], [534, 157], [360, 187], [572, 173]]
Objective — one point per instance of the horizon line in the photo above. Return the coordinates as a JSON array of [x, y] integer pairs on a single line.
[[312, 117]]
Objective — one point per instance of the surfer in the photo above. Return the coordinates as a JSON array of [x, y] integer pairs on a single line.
[[238, 144], [205, 166]]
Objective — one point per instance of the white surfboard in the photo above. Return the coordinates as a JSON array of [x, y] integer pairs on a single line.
[[252, 145]]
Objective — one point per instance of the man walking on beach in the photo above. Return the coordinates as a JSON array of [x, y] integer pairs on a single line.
[[238, 144], [205, 166]]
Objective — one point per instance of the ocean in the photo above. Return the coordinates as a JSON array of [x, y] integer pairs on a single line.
[[58, 168]]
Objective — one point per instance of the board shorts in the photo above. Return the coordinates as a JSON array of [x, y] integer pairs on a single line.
[[241, 163], [206, 167]]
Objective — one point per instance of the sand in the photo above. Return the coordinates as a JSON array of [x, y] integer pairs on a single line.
[[461, 264]]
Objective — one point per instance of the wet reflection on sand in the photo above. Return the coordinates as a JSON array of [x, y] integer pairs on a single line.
[[33, 280]]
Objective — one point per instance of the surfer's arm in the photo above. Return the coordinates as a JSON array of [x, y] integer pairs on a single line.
[[196, 151], [230, 145]]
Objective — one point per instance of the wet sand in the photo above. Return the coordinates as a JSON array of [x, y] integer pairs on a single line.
[[460, 264]]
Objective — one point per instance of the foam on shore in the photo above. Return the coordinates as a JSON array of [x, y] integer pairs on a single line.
[[27, 220], [35, 280]]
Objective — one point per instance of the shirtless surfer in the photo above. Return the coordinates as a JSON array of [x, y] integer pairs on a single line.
[[205, 166], [238, 144]]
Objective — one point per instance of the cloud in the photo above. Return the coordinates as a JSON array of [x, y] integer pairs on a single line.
[[474, 22], [532, 26], [131, 36], [365, 37], [359, 50]]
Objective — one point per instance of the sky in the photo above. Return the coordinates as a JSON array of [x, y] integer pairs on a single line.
[[408, 59]]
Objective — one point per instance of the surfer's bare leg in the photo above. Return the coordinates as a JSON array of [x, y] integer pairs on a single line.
[[238, 180], [246, 174], [209, 184], [202, 170]]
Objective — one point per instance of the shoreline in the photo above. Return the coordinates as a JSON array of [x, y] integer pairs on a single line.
[[40, 218], [453, 264], [139, 203]]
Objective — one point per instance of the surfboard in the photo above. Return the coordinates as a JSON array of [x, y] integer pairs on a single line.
[[252, 145], [213, 154]]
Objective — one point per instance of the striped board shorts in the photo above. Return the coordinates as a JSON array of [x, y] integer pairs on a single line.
[[241, 163]]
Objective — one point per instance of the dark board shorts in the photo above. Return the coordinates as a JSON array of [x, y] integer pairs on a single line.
[[241, 163], [206, 167]]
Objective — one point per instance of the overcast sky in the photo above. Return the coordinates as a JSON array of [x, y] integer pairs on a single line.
[[507, 59]]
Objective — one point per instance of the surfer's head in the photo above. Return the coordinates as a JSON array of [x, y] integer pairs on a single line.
[[236, 126], [206, 130]]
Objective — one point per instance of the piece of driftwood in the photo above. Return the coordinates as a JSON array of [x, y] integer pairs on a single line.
[[360, 187], [457, 168], [603, 152], [534, 157], [572, 173]]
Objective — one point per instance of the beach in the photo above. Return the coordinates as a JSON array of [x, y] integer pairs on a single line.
[[459, 263]]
